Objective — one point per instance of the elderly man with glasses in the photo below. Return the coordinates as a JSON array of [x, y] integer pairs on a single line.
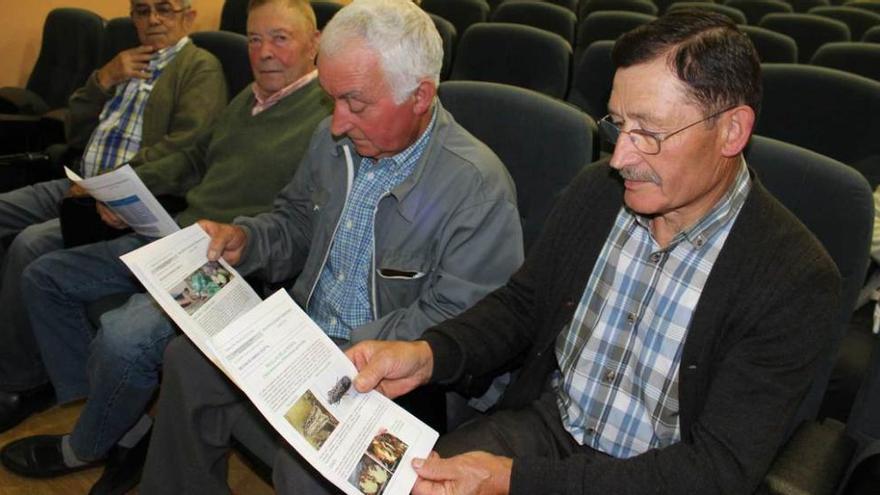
[[144, 104], [667, 323]]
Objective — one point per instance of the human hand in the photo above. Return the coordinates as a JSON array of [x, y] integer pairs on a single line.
[[477, 473], [391, 367], [227, 240], [109, 217], [76, 191], [127, 64]]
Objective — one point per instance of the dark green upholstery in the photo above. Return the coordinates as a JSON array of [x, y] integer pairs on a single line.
[[808, 31]]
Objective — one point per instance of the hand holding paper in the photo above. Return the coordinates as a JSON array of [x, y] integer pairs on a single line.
[[227, 240], [392, 368]]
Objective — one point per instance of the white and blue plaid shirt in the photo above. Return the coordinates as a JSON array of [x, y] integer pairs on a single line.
[[617, 385], [341, 300], [118, 135]]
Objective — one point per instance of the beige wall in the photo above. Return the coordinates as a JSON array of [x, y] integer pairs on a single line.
[[21, 26]]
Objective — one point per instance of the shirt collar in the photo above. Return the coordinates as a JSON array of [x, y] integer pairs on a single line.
[[717, 217], [265, 101], [165, 55]]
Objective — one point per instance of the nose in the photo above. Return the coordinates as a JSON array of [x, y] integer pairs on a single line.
[[341, 122], [154, 17], [625, 153], [265, 51]]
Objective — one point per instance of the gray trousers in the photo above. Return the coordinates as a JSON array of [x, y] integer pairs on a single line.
[[199, 410], [31, 212]]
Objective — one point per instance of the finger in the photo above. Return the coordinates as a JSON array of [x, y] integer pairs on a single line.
[[435, 468], [428, 487], [369, 377]]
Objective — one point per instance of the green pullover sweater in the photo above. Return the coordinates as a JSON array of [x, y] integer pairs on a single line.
[[239, 167]]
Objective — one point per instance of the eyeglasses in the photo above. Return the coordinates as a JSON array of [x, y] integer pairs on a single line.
[[645, 141], [164, 11]]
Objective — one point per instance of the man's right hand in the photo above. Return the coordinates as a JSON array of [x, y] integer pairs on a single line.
[[109, 217], [227, 240], [127, 64], [392, 368]]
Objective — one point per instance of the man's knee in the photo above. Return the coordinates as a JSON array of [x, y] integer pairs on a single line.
[[33, 242], [137, 332]]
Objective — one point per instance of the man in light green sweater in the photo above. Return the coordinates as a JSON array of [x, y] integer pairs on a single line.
[[236, 169]]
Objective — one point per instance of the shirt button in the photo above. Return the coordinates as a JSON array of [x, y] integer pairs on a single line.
[[609, 376], [332, 320], [349, 224], [631, 318], [340, 277], [370, 175], [699, 241], [590, 431], [655, 257]]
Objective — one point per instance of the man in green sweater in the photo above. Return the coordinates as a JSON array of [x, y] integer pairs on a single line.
[[235, 170]]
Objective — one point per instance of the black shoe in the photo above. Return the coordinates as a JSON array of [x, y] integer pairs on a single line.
[[123, 469], [38, 457], [15, 407]]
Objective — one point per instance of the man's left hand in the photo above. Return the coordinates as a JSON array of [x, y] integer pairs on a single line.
[[478, 473]]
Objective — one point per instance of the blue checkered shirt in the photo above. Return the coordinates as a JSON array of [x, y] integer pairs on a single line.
[[617, 385], [118, 135], [341, 300]]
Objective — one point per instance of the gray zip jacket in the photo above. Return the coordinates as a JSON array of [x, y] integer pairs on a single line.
[[445, 237]]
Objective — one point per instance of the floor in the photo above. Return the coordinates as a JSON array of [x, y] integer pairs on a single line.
[[60, 419]]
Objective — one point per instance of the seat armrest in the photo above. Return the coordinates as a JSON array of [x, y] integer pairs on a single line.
[[22, 101], [812, 462]]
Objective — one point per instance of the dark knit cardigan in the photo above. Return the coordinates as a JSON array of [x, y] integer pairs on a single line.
[[764, 317]]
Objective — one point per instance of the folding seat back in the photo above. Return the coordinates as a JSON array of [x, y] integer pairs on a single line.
[[856, 57], [232, 51], [324, 11], [587, 7], [607, 25], [825, 110], [857, 20], [68, 54], [835, 204], [543, 142], [733, 13], [542, 15], [592, 79], [461, 13], [772, 47], [233, 16], [808, 31], [756, 9], [514, 54], [449, 37]]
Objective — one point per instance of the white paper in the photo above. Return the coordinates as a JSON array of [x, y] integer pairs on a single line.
[[125, 193], [294, 374]]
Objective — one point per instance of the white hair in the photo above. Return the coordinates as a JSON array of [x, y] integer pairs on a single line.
[[399, 32]]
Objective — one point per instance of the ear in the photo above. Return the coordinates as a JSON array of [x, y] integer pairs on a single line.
[[190, 17], [424, 96], [736, 129], [313, 42]]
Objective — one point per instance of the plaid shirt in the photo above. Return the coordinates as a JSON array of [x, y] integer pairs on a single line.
[[617, 385], [341, 300], [118, 135]]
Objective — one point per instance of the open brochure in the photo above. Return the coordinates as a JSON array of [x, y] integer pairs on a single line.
[[294, 374], [125, 193]]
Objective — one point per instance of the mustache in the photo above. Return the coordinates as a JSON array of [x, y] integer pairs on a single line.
[[640, 175]]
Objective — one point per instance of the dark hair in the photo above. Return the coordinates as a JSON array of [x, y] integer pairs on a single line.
[[706, 51]]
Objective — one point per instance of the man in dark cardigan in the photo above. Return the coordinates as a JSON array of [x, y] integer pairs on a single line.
[[666, 325]]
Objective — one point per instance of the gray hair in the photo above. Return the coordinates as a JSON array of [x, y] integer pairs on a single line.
[[399, 32]]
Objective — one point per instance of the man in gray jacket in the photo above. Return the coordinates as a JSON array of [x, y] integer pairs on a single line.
[[397, 219]]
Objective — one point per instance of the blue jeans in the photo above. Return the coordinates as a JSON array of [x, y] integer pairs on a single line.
[[116, 367], [30, 214]]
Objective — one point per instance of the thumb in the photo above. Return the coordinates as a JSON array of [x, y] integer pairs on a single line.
[[434, 468], [368, 378]]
